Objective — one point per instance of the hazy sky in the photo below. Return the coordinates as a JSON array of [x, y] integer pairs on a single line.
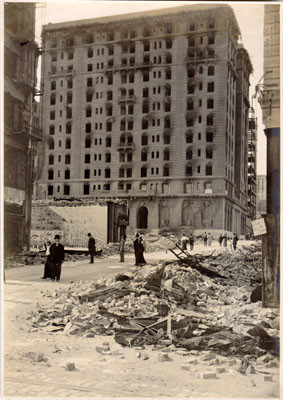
[[249, 17]]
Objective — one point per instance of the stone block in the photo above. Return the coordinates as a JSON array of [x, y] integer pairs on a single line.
[[267, 378], [206, 375], [220, 370]]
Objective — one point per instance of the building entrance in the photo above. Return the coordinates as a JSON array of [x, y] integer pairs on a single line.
[[142, 218]]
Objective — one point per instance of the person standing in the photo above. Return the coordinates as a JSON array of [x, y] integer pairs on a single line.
[[91, 247], [48, 264], [184, 241], [235, 241], [122, 248], [220, 239], [209, 239], [137, 248], [142, 249], [57, 256], [225, 240], [205, 239], [191, 241]]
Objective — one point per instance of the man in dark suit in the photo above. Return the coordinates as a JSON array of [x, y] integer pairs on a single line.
[[57, 256], [91, 247]]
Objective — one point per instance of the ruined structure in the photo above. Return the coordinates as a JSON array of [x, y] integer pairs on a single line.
[[21, 129], [150, 107]]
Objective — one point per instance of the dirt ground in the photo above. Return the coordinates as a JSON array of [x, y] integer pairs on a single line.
[[51, 364]]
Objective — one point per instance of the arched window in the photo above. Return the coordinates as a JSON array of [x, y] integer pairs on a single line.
[[144, 123], [166, 170], [142, 217]]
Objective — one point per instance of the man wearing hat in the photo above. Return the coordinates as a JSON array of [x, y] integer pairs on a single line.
[[91, 247], [57, 257]]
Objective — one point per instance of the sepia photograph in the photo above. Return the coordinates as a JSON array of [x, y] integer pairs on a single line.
[[141, 199]]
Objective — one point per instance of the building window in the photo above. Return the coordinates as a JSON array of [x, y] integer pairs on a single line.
[[87, 142], [210, 103], [90, 52], [208, 170], [166, 170], [66, 190], [50, 190], [52, 115], [89, 82], [189, 120], [86, 189], [190, 104], [87, 158], [191, 72], [68, 128], [69, 113], [88, 127], [89, 97], [209, 136], [192, 27], [144, 123], [198, 169], [67, 159], [210, 70], [108, 126], [109, 95], [166, 139], [211, 38], [68, 144], [89, 67], [145, 92], [168, 43], [209, 153], [88, 112], [166, 155], [211, 23], [67, 174], [108, 141], [121, 173], [143, 172], [209, 120], [52, 99], [144, 140], [189, 154], [189, 170], [210, 86], [168, 73], [189, 137], [70, 84], [50, 159], [50, 174], [145, 75], [51, 130], [53, 85]]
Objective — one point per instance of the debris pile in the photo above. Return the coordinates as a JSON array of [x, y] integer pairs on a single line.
[[169, 304]]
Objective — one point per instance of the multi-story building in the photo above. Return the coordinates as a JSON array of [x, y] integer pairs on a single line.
[[261, 195], [270, 103], [21, 132], [252, 162], [143, 107]]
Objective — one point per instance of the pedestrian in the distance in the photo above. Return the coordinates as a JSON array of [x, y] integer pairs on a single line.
[[142, 249], [220, 239], [191, 241], [91, 247], [184, 241], [225, 240], [136, 248], [209, 239], [48, 264], [235, 241], [122, 248], [205, 239], [57, 256]]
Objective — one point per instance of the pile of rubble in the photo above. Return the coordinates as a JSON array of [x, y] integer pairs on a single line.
[[169, 304]]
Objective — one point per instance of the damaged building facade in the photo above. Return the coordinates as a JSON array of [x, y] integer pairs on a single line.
[[21, 129], [152, 108]]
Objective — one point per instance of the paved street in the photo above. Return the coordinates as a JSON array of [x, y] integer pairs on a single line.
[[83, 270]]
